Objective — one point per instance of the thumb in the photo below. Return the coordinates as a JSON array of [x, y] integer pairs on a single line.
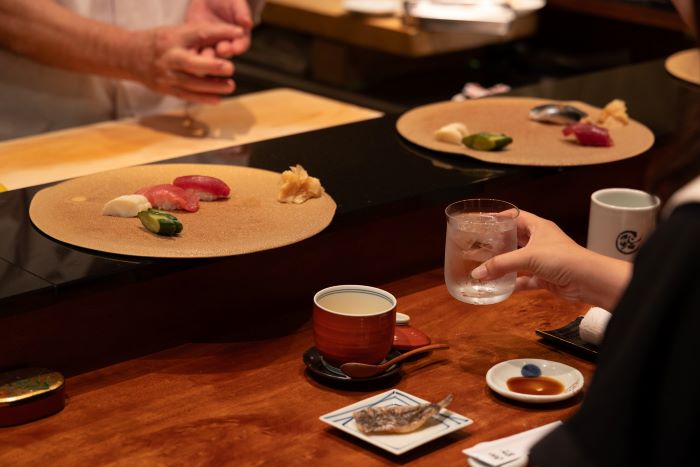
[[244, 20], [499, 265], [208, 34], [242, 15]]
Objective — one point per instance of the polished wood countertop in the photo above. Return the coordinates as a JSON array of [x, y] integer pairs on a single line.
[[251, 403]]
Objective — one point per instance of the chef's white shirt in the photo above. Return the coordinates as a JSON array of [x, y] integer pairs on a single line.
[[36, 98]]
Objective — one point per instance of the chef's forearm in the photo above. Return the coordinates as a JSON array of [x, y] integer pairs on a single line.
[[47, 32]]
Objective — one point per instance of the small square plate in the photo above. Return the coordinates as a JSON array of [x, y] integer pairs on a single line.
[[397, 443], [568, 338]]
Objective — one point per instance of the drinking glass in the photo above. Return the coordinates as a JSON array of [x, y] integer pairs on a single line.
[[477, 230]]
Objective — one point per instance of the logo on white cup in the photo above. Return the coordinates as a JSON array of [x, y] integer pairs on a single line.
[[620, 220], [628, 242]]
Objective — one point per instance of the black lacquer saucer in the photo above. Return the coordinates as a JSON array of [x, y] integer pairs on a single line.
[[321, 369]]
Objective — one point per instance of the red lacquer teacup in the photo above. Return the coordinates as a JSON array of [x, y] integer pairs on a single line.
[[354, 323]]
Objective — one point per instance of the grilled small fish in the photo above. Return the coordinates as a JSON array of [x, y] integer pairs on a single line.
[[557, 114], [401, 419]]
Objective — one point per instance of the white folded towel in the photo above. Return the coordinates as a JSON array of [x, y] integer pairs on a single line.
[[592, 326], [502, 451], [689, 193]]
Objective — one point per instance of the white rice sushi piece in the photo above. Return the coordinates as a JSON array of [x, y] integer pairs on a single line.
[[126, 206], [452, 133]]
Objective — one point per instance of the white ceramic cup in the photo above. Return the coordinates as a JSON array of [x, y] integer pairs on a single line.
[[620, 220]]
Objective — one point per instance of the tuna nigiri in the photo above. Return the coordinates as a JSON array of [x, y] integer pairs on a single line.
[[170, 197], [588, 134], [205, 187]]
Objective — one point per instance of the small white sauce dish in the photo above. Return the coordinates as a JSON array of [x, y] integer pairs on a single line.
[[569, 377]]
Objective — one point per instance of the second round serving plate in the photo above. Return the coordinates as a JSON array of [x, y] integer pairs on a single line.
[[685, 65], [498, 376], [534, 143]]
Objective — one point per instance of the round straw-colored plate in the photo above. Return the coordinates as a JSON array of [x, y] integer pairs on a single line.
[[250, 220], [534, 143], [685, 65]]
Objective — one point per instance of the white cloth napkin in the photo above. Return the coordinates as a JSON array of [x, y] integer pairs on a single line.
[[592, 327], [501, 451], [690, 193]]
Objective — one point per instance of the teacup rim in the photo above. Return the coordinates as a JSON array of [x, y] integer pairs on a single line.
[[350, 287], [512, 217], [654, 201]]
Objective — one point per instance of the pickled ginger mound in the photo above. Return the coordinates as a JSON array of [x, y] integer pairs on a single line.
[[617, 110], [126, 206], [298, 186], [452, 133], [614, 114]]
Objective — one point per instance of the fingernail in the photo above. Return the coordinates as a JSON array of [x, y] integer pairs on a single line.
[[479, 272]]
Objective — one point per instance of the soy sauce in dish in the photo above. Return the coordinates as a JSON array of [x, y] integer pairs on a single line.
[[539, 386]]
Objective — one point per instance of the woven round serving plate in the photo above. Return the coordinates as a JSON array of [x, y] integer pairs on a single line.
[[250, 220], [685, 65], [534, 143]]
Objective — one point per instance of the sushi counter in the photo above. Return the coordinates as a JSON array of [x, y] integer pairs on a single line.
[[221, 402], [198, 361]]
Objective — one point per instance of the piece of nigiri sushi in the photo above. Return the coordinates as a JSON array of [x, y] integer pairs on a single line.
[[205, 187], [126, 206], [170, 197], [588, 134], [556, 113]]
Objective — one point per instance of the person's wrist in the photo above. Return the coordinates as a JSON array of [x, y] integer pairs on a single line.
[[139, 54], [621, 274], [605, 280]]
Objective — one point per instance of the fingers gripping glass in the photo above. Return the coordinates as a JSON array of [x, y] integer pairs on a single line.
[[477, 230]]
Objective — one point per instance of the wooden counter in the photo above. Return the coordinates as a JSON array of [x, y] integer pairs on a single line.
[[328, 19], [239, 120], [251, 403]]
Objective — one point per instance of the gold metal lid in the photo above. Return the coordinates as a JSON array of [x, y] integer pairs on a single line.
[[20, 386]]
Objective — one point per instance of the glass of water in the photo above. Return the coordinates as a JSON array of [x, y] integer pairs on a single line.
[[478, 229]]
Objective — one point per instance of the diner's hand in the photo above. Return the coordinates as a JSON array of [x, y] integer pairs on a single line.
[[551, 260], [232, 12]]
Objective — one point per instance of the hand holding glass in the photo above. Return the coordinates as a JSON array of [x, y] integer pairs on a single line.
[[477, 230]]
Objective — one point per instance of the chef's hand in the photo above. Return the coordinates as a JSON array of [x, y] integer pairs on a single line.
[[167, 59], [551, 260], [176, 67], [231, 12]]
